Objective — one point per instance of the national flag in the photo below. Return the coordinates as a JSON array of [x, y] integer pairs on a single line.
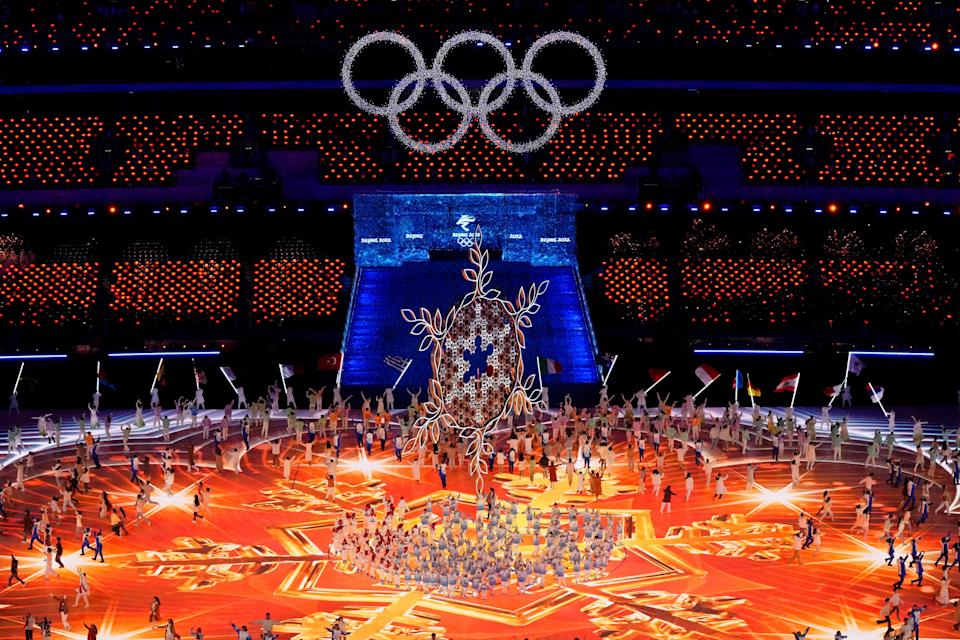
[[605, 362], [753, 391], [105, 381], [706, 373], [200, 375], [657, 374], [397, 362], [229, 374], [287, 371], [788, 384], [834, 391], [876, 394], [856, 365], [737, 380], [549, 366], [330, 362]]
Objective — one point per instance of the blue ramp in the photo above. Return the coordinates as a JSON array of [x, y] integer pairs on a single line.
[[375, 329]]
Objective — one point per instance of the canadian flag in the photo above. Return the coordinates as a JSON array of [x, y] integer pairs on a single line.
[[706, 373], [788, 384]]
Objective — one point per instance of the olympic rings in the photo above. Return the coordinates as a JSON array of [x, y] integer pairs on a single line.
[[462, 102]]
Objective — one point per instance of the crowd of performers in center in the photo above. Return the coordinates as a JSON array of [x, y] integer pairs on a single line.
[[469, 555]]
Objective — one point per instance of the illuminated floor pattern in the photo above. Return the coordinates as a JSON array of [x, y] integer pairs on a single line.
[[707, 570]]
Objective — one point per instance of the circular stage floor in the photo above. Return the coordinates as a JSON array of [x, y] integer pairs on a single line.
[[708, 569]]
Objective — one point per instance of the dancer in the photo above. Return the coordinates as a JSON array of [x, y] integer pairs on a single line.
[[83, 590], [14, 571], [63, 607]]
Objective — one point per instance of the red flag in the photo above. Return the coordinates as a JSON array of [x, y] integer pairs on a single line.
[[657, 374], [706, 373], [832, 392], [330, 362], [788, 384]]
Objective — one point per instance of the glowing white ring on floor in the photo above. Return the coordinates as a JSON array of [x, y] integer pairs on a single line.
[[462, 102]]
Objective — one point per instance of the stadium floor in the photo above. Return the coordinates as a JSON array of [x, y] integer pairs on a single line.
[[709, 569]]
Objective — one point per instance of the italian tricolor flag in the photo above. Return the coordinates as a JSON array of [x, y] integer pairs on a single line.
[[549, 365]]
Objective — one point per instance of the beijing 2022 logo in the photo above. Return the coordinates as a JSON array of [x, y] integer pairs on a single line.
[[463, 102]]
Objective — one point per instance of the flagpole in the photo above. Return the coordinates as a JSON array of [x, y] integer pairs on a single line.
[[736, 388], [610, 370], [750, 386], [795, 387], [407, 366], [283, 378], [98, 377], [16, 385], [879, 402], [229, 381], [196, 376], [340, 368], [705, 386], [156, 375], [539, 374], [659, 380], [846, 377]]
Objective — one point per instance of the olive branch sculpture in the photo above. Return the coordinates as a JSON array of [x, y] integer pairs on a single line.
[[514, 394]]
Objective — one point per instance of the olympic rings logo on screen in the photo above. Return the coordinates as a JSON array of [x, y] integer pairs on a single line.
[[463, 102]]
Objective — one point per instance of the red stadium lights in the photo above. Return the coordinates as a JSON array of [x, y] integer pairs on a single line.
[[872, 150], [176, 290], [296, 288]]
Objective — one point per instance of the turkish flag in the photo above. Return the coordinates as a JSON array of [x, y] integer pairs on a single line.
[[330, 362]]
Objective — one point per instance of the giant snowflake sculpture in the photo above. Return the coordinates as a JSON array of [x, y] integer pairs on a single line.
[[476, 355]]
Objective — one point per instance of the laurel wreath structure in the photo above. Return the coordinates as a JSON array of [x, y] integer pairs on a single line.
[[523, 396]]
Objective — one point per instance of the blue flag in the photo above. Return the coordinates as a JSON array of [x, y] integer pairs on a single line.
[[738, 380]]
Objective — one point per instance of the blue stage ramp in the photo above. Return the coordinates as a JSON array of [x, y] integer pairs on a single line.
[[375, 329]]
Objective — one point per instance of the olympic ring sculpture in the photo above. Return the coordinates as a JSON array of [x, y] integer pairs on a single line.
[[462, 102]]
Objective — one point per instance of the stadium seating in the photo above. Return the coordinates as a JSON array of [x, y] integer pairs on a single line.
[[899, 149], [879, 150], [638, 286], [599, 147], [765, 140], [174, 291], [733, 291], [346, 142], [101, 24], [162, 292], [727, 290], [50, 294], [48, 152], [296, 289], [153, 147]]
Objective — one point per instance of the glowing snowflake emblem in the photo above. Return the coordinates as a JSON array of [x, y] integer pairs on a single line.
[[476, 353]]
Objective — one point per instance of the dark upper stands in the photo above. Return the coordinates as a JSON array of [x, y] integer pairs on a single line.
[[105, 24]]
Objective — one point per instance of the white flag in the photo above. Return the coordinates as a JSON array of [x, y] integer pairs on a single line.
[[396, 362], [856, 365]]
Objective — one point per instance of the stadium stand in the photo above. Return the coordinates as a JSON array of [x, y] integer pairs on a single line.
[[889, 149]]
